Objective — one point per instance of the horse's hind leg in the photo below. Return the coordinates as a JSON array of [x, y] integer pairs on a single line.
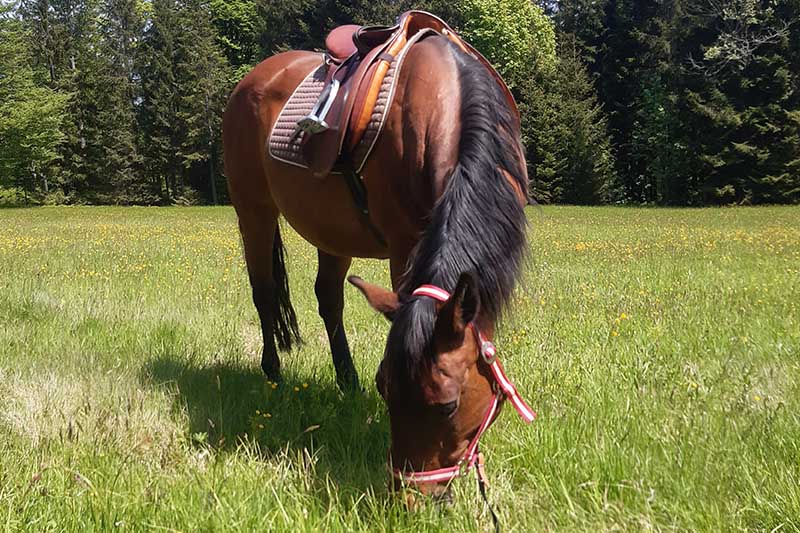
[[329, 289], [264, 253]]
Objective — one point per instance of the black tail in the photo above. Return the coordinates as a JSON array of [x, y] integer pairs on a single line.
[[285, 321]]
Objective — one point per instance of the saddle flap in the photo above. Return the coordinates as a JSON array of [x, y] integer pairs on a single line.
[[322, 150]]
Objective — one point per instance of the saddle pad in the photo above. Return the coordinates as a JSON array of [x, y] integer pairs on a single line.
[[284, 147]]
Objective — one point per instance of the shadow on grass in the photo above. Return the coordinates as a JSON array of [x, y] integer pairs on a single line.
[[227, 403]]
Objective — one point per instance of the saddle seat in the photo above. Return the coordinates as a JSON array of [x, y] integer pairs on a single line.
[[357, 59]]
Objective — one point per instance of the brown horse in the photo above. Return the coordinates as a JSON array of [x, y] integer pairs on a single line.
[[446, 188]]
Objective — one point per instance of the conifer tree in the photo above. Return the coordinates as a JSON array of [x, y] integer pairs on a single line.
[[742, 96], [115, 154], [160, 99], [184, 83], [204, 84], [567, 137]]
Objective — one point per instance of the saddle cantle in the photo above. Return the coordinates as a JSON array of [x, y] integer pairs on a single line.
[[357, 78]]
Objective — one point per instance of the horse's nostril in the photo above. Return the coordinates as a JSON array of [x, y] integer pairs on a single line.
[[447, 409]]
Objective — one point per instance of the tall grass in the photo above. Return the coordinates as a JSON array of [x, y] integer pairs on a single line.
[[661, 349]]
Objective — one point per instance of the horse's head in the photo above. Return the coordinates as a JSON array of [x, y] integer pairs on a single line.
[[439, 395]]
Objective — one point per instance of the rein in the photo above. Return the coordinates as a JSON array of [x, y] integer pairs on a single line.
[[505, 390]]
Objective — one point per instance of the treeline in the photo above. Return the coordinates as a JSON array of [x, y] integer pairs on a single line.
[[682, 102], [702, 97]]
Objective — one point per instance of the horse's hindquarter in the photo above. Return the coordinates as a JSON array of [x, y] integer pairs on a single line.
[[321, 210], [251, 110]]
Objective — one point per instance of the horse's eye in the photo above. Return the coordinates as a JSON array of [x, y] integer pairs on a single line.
[[446, 409]]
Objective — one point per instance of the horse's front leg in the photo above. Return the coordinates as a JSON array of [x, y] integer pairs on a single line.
[[329, 289]]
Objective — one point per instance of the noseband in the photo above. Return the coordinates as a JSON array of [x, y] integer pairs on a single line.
[[505, 389]]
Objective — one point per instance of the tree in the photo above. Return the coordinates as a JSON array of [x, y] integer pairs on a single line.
[[514, 35], [583, 20], [567, 137], [185, 81], [30, 115], [237, 26], [112, 84], [742, 99], [203, 72], [658, 148], [160, 98]]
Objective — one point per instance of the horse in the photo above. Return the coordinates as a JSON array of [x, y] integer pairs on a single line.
[[446, 186]]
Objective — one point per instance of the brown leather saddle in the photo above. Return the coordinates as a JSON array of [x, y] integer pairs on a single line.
[[356, 62]]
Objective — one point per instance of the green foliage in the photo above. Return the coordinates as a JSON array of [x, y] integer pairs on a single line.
[[659, 148], [183, 95], [30, 114], [514, 35], [670, 103], [701, 96], [743, 96], [236, 25], [13, 197]]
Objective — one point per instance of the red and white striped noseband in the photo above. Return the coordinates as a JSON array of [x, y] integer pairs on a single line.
[[506, 389]]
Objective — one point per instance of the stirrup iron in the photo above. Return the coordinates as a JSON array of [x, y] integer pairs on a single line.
[[314, 122]]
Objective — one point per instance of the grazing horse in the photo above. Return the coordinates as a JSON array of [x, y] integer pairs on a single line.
[[446, 185]]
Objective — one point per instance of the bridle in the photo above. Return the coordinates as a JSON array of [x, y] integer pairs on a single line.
[[505, 389]]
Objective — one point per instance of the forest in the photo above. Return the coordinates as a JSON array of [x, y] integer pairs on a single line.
[[668, 102]]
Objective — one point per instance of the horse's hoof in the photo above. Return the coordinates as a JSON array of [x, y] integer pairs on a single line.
[[348, 383], [272, 373]]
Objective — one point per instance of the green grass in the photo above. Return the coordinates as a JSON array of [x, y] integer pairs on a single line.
[[661, 349]]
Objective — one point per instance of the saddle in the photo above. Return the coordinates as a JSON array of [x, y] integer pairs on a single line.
[[357, 60]]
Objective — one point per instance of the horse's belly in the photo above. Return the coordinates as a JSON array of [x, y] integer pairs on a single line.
[[324, 213]]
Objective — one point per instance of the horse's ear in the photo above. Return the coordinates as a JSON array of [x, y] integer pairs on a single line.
[[382, 300], [463, 305]]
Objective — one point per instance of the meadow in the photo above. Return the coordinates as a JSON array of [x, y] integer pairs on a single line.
[[660, 348]]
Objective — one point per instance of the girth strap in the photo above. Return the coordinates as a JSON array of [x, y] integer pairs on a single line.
[[359, 193]]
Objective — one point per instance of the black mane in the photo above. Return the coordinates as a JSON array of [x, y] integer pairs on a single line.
[[478, 224]]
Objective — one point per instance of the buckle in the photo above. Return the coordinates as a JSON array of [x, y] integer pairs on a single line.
[[488, 352]]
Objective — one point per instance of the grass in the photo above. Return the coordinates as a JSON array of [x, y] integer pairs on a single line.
[[661, 349]]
